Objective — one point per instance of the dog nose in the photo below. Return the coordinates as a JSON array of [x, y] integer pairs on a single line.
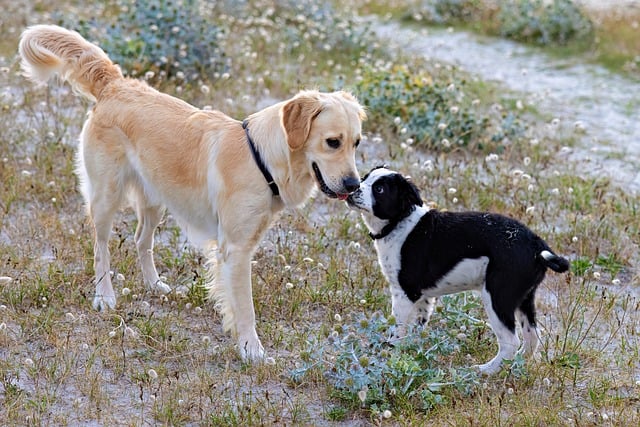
[[351, 184]]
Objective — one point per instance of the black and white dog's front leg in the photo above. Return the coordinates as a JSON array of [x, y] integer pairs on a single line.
[[407, 312]]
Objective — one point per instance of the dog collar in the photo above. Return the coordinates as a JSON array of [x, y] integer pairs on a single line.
[[386, 230], [259, 162]]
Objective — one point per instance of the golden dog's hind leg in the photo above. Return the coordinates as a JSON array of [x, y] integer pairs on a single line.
[[148, 219], [97, 167], [102, 211]]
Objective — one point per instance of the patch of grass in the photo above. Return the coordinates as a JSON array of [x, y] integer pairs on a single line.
[[165, 360]]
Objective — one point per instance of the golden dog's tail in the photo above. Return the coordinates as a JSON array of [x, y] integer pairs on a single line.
[[48, 49]]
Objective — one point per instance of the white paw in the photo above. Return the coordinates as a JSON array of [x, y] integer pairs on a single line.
[[251, 350], [161, 287], [102, 302]]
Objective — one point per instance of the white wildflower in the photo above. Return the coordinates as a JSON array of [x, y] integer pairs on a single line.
[[337, 318], [28, 362], [288, 285], [5, 280], [386, 414], [530, 209], [615, 281], [362, 394], [442, 126], [452, 190], [454, 109], [596, 275], [125, 291], [152, 374]]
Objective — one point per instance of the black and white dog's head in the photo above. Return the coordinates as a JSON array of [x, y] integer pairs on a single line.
[[384, 197]]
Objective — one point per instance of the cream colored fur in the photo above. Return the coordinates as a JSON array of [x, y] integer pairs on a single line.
[[154, 151]]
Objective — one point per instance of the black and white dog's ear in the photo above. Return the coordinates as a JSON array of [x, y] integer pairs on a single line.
[[410, 192]]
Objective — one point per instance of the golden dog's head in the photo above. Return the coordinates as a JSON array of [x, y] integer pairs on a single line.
[[326, 128]]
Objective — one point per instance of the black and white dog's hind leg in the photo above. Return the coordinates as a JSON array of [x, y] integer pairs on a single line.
[[504, 327]]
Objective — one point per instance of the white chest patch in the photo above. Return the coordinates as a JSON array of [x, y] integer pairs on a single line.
[[469, 274], [390, 247]]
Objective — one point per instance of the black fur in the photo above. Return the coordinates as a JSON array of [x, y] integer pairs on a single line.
[[441, 240]]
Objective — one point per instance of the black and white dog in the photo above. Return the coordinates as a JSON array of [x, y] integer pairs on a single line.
[[425, 254]]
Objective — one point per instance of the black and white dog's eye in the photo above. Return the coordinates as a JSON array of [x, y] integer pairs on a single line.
[[333, 142], [379, 189]]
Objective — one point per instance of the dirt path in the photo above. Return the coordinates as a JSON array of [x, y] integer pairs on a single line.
[[604, 104]]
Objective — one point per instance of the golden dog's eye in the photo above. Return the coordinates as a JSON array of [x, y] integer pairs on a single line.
[[333, 143], [357, 142]]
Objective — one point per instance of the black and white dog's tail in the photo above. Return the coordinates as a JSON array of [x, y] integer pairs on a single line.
[[554, 262]]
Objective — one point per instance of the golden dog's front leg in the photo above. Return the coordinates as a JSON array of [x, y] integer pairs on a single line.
[[235, 302], [236, 277]]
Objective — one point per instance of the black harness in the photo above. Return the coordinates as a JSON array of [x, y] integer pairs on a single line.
[[259, 162]]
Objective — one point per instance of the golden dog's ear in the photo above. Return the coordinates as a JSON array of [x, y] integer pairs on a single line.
[[297, 116]]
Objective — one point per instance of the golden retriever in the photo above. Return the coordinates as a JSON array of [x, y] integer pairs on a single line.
[[156, 151]]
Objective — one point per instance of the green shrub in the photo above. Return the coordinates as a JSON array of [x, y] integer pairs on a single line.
[[366, 370], [533, 21], [426, 112], [169, 38], [443, 12]]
